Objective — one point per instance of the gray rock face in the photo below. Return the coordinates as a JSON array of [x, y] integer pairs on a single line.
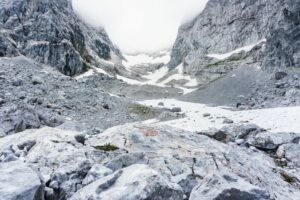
[[134, 182], [19, 182], [51, 33], [224, 26]]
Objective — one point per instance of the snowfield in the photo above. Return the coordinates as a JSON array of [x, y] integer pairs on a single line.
[[282, 119]]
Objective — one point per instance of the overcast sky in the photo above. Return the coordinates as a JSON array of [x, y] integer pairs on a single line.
[[139, 25]]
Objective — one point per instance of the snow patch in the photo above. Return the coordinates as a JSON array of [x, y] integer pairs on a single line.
[[91, 72], [227, 55], [281, 119]]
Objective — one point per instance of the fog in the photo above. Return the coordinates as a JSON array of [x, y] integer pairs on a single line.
[[139, 25]]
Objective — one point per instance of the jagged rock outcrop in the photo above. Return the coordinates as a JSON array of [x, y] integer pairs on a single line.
[[224, 26], [49, 32]]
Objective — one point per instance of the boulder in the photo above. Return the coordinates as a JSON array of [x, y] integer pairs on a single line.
[[290, 152], [271, 141], [19, 182], [227, 121], [131, 183], [96, 172], [176, 109]]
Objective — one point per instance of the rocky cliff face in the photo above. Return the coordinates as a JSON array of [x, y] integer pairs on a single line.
[[49, 32], [226, 25]]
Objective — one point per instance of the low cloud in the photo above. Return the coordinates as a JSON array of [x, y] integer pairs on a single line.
[[139, 25]]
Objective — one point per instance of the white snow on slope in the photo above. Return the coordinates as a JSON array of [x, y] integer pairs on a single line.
[[192, 82], [132, 60], [282, 119], [227, 55], [154, 77], [91, 72]]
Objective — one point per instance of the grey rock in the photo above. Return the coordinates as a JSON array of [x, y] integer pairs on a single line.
[[227, 121], [280, 75], [290, 152], [271, 141], [36, 80], [80, 138], [20, 126], [49, 193], [10, 158], [126, 160], [58, 100], [205, 34], [134, 182], [176, 109], [17, 181], [215, 134], [206, 115], [2, 101], [16, 82], [96, 172], [227, 186], [182, 158], [161, 104]]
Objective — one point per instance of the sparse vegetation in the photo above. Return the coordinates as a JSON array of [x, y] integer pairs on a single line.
[[140, 110], [107, 147], [287, 178]]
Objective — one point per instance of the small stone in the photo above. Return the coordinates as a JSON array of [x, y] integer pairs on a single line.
[[227, 121], [280, 152], [80, 138], [10, 158], [97, 130], [280, 75], [239, 141], [206, 114], [161, 104], [176, 109], [20, 126], [2, 101], [36, 80], [16, 82], [105, 106]]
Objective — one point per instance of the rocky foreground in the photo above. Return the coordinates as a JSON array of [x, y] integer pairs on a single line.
[[144, 161]]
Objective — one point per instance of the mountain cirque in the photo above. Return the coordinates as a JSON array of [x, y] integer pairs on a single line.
[[71, 129]]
